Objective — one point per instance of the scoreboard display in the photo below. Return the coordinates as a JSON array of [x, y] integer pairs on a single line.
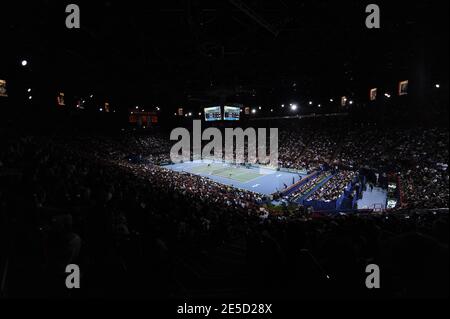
[[231, 113], [213, 114]]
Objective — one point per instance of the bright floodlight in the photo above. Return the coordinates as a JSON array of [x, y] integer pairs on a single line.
[[254, 111], [29, 90], [351, 102], [331, 100], [294, 107], [310, 103], [437, 86], [24, 62], [282, 105], [30, 97]]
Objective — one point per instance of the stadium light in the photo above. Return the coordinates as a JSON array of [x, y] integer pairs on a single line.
[[137, 107], [24, 62], [331, 100], [101, 110], [294, 107], [271, 110], [29, 90], [199, 113], [387, 95], [254, 111], [282, 105], [260, 107], [310, 103], [351, 102], [30, 97], [437, 85], [320, 105]]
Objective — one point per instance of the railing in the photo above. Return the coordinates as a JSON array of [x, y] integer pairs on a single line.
[[378, 208], [291, 188]]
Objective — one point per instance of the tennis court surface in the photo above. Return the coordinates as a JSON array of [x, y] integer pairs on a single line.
[[264, 181]]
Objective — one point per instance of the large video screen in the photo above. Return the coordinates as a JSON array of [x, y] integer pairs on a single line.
[[231, 113], [213, 114]]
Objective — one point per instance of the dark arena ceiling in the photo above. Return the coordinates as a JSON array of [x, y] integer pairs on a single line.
[[201, 52]]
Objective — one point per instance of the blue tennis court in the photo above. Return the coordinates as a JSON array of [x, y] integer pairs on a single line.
[[260, 180]]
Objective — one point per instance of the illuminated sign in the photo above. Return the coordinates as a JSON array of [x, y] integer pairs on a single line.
[[60, 99], [3, 88], [373, 94], [403, 88]]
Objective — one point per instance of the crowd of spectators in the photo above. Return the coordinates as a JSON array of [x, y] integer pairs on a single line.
[[81, 200], [73, 201], [307, 187], [418, 156], [307, 148], [334, 188]]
